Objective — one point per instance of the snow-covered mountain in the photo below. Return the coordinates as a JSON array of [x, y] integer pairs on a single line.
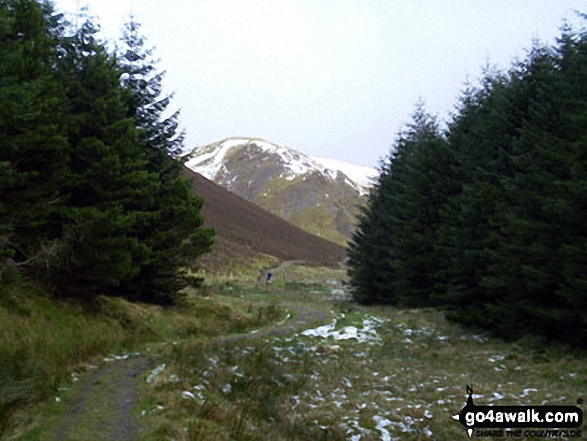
[[319, 195]]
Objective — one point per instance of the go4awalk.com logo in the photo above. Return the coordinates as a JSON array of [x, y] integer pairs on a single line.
[[521, 421]]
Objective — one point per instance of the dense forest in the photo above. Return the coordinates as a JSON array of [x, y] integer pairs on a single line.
[[91, 197], [487, 218]]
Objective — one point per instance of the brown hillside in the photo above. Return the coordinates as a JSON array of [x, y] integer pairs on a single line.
[[244, 229]]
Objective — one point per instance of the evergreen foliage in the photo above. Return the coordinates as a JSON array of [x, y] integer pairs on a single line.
[[33, 155], [147, 103], [488, 219], [91, 201]]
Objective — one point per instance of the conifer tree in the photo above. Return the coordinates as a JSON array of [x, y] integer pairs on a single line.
[[33, 145], [391, 255], [480, 137], [426, 185], [541, 223], [148, 103], [109, 180], [490, 222], [369, 248], [175, 235]]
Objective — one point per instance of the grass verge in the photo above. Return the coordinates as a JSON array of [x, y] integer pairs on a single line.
[[403, 377], [46, 344]]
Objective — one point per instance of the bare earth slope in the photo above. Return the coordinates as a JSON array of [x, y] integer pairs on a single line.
[[245, 229]]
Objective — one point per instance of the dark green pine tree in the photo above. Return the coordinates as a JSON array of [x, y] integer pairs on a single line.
[[175, 234], [372, 248], [176, 238], [148, 102], [369, 248], [521, 272], [572, 56], [539, 261], [392, 255], [425, 184], [33, 145], [110, 188], [480, 137]]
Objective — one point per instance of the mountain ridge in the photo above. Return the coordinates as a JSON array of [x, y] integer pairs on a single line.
[[319, 195]]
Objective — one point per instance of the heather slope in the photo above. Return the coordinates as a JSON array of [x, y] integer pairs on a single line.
[[245, 231]]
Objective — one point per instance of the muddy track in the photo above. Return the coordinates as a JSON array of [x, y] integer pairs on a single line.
[[102, 408], [304, 317]]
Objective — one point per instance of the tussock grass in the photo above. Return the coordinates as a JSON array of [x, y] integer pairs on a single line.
[[44, 341], [41, 341], [406, 383], [237, 269]]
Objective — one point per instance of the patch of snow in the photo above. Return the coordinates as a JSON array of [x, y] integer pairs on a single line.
[[360, 175], [288, 316], [367, 333], [208, 164], [382, 423], [527, 391], [496, 396], [155, 372]]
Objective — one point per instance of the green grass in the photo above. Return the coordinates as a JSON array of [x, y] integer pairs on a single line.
[[414, 374], [41, 341], [44, 341]]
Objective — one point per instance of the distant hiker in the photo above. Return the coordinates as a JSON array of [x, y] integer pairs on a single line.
[[268, 278]]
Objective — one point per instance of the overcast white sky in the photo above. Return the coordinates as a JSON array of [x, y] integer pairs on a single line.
[[333, 78]]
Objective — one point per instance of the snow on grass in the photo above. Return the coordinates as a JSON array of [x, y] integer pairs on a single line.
[[155, 372], [385, 375], [366, 334], [188, 394]]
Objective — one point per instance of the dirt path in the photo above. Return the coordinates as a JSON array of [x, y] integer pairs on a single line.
[[102, 407], [304, 317]]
